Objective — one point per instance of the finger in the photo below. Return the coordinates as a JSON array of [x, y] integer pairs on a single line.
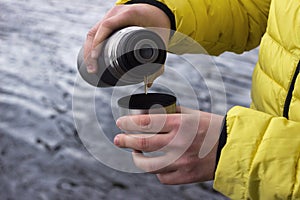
[[92, 60], [150, 123], [143, 142], [95, 40], [167, 178], [88, 45], [89, 40], [108, 26], [89, 63], [92, 33], [97, 36], [154, 165], [173, 178], [185, 110]]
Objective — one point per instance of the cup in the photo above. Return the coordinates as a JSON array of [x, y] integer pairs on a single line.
[[151, 103]]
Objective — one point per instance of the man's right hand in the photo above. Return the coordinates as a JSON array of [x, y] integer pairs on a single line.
[[118, 17]]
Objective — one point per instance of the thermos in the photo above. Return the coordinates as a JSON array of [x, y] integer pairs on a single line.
[[127, 57]]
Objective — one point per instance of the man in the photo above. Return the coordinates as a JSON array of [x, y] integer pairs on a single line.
[[261, 144]]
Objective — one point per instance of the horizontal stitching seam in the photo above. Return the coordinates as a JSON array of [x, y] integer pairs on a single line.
[[271, 78], [281, 46]]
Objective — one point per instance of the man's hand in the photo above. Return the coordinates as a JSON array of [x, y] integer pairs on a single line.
[[188, 142], [118, 17]]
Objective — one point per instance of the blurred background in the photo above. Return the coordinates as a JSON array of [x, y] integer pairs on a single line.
[[41, 155]]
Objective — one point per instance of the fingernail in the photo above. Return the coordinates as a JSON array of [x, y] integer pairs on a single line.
[[90, 68], [119, 122], [117, 141], [93, 54]]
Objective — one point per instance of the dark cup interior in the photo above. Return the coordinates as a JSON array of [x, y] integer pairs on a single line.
[[146, 101]]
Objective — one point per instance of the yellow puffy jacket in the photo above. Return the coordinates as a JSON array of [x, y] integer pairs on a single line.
[[261, 157]]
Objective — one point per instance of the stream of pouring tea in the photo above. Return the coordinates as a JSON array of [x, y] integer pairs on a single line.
[[146, 84]]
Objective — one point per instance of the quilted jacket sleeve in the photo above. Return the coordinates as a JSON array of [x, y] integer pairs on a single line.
[[261, 157], [218, 25]]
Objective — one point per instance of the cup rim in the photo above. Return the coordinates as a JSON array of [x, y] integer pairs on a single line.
[[142, 101]]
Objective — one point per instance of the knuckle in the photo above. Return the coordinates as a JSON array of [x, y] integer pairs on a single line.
[[188, 163], [184, 161], [121, 140], [143, 144], [107, 24], [131, 12], [175, 123], [144, 121], [91, 33]]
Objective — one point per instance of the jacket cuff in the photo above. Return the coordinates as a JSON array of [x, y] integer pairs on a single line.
[[161, 6], [222, 140]]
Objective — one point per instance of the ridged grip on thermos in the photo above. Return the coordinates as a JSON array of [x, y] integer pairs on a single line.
[[127, 56]]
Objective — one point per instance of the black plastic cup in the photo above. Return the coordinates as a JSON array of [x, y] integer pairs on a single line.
[[151, 103]]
